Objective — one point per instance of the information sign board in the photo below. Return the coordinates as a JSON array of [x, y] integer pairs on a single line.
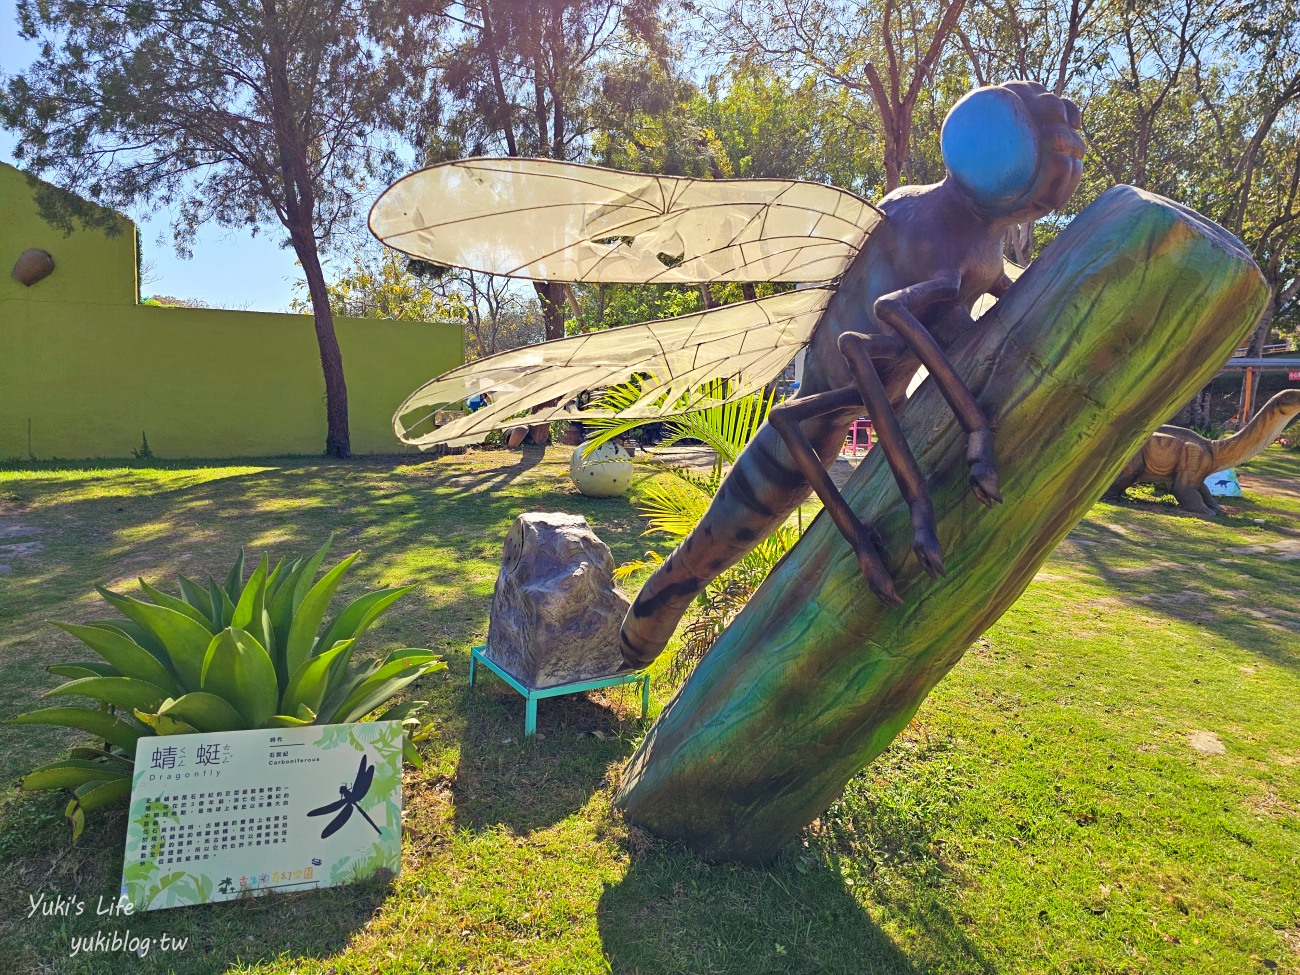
[[1224, 484], [216, 816]]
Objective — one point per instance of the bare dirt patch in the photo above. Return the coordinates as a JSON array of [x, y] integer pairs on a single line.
[[1271, 804], [1272, 485], [1206, 742], [17, 549], [1283, 548], [1291, 938], [18, 531]]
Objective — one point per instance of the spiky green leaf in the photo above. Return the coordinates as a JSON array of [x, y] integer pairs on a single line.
[[251, 599], [302, 584], [273, 579], [204, 711], [92, 796], [284, 575], [286, 721], [87, 668], [99, 754], [71, 773], [125, 655], [384, 683], [121, 692], [163, 724], [399, 712], [140, 634], [199, 598], [411, 753], [179, 605], [307, 619], [101, 724], [360, 613], [310, 683], [184, 640], [219, 601], [281, 605], [234, 586], [236, 667]]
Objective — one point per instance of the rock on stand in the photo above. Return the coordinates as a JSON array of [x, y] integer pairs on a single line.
[[555, 611]]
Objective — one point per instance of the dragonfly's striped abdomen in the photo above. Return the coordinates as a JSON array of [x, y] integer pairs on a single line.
[[755, 498]]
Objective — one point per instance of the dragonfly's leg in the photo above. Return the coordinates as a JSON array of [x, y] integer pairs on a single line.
[[370, 821], [899, 310], [858, 350], [785, 419]]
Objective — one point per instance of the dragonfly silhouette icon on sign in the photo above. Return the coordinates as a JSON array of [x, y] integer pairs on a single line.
[[349, 800], [898, 280]]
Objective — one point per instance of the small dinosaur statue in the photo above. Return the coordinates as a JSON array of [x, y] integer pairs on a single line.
[[1183, 459]]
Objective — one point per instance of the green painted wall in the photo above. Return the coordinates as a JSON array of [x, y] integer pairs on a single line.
[[85, 369]]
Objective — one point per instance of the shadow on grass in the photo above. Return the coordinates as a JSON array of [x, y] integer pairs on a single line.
[[160, 531], [40, 859], [503, 475], [1184, 569], [528, 784], [866, 889], [674, 913]]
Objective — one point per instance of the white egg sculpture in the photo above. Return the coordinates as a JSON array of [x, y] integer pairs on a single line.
[[604, 473]]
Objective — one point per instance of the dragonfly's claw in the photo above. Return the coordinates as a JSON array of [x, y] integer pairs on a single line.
[[983, 471], [867, 548], [928, 552]]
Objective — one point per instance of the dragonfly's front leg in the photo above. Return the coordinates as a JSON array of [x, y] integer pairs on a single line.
[[785, 418], [900, 310], [858, 350]]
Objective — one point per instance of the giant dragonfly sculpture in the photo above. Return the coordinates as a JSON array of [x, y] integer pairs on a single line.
[[903, 277]]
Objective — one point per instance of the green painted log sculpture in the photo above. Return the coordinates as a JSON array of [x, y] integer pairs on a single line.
[[1132, 309]]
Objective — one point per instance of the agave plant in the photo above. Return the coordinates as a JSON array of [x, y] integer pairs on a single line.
[[221, 657]]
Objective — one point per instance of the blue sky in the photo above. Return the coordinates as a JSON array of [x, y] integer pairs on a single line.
[[229, 269]]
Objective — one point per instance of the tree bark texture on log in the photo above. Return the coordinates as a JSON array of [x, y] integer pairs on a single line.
[[1129, 312]]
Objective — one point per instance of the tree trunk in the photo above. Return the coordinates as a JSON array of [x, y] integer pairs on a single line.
[[1199, 410], [338, 442], [1250, 377], [1020, 242], [1121, 319], [551, 296]]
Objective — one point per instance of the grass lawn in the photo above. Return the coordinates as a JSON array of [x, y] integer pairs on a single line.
[[1045, 812]]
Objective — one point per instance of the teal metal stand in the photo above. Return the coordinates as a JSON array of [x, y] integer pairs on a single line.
[[531, 696]]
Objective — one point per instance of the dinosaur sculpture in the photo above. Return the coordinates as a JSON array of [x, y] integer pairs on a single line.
[[1183, 459]]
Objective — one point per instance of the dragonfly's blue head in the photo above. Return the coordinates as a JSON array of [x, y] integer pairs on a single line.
[[1014, 150]]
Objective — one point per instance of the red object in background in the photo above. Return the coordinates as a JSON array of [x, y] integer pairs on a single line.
[[1294, 375], [863, 429]]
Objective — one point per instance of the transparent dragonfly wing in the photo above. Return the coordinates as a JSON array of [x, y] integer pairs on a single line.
[[747, 344], [554, 221]]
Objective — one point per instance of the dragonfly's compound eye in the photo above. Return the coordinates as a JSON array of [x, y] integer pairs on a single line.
[[990, 147]]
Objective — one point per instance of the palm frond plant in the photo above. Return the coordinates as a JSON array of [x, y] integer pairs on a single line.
[[675, 501], [726, 427], [239, 655]]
